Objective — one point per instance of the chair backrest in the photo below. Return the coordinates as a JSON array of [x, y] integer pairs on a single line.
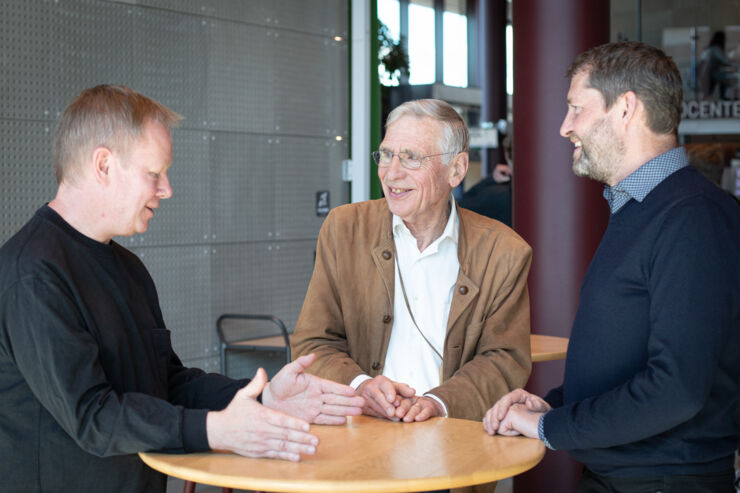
[[235, 327]]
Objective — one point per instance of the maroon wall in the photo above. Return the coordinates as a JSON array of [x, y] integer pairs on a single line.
[[560, 215]]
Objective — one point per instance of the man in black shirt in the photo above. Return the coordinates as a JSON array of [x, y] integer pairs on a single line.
[[87, 372]]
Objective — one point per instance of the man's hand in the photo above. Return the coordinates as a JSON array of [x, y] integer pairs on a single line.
[[502, 173], [520, 421], [418, 408], [295, 392], [494, 416], [249, 428], [382, 397]]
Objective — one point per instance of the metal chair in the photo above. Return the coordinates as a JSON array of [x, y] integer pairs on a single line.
[[249, 332]]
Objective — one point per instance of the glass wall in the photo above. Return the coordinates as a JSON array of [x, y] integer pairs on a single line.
[[703, 37]]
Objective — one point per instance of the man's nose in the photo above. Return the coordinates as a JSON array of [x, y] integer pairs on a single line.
[[395, 168], [164, 189], [566, 128]]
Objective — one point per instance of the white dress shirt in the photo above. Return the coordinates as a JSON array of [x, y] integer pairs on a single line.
[[429, 278]]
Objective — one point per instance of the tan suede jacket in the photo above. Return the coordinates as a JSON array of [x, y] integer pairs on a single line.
[[348, 311]]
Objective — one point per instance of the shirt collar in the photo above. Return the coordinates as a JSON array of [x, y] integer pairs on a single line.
[[451, 230], [645, 178]]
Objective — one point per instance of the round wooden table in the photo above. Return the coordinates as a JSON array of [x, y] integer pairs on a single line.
[[369, 455], [547, 348]]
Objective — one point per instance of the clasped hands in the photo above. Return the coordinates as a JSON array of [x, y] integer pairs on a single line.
[[396, 401], [279, 427], [516, 413]]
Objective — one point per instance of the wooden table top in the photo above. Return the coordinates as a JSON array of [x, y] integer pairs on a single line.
[[369, 455], [547, 348]]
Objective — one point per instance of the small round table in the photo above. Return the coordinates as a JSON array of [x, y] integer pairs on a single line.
[[369, 455], [547, 348]]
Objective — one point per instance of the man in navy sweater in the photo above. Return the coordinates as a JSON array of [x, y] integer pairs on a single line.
[[652, 376]]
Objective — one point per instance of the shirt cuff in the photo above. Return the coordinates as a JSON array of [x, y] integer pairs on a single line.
[[194, 435], [357, 381], [444, 408], [541, 432]]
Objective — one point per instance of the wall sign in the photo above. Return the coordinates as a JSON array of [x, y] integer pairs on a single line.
[[322, 203]]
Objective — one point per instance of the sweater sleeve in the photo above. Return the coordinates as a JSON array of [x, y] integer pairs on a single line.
[[688, 282], [45, 334]]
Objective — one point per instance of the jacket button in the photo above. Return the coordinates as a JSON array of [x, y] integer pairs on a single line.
[[463, 290], [376, 366], [387, 255], [387, 319]]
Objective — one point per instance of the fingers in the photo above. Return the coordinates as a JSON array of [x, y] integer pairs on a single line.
[[341, 400], [404, 389], [375, 398], [422, 409], [277, 448], [295, 368], [490, 424], [494, 416], [388, 388], [537, 404], [304, 361], [377, 403], [329, 387], [326, 419], [254, 388], [403, 407], [342, 411], [514, 397]]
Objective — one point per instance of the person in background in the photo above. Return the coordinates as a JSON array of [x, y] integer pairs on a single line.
[[491, 196], [652, 374], [87, 372], [419, 304], [716, 70]]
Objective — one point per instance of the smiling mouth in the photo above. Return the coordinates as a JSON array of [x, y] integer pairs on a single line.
[[578, 147]]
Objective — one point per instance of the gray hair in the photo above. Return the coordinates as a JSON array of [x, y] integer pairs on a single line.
[[455, 136], [105, 115]]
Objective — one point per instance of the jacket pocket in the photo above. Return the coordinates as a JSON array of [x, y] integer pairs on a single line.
[[162, 353]]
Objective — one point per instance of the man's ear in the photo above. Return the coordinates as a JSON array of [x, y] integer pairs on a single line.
[[458, 169], [628, 103], [101, 161]]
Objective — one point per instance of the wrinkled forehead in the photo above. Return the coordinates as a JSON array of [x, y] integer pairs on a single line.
[[412, 133], [580, 89]]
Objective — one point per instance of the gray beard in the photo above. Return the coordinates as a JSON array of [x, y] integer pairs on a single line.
[[600, 156], [600, 171]]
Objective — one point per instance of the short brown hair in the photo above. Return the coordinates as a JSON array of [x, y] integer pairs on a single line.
[[105, 115], [615, 68], [455, 132]]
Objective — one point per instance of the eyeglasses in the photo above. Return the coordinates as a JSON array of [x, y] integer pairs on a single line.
[[409, 160]]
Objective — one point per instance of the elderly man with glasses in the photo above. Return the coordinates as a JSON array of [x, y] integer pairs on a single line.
[[419, 305]]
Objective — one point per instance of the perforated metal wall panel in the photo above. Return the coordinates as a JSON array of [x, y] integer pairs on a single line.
[[243, 187], [240, 93], [324, 17], [263, 87], [305, 166], [305, 79], [27, 179], [170, 59], [182, 275]]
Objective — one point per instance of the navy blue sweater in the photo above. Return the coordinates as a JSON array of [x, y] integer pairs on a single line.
[[652, 376]]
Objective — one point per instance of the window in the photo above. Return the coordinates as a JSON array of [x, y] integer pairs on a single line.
[[455, 40], [421, 43]]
